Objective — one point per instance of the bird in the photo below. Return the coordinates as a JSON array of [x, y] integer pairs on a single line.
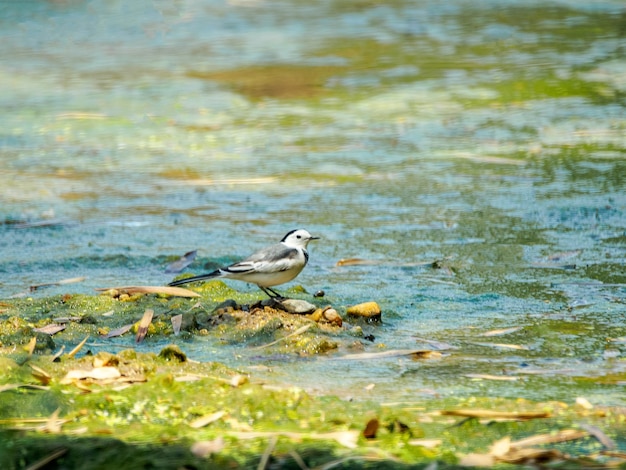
[[268, 267]]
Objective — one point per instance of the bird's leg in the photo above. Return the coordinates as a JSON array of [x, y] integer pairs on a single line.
[[272, 293]]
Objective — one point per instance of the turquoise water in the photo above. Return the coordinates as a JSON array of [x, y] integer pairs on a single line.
[[488, 135]]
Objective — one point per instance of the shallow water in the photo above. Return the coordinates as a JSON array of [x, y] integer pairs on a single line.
[[489, 136]]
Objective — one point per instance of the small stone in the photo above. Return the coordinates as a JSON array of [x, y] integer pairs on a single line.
[[370, 311], [297, 306], [331, 316], [317, 315], [319, 293]]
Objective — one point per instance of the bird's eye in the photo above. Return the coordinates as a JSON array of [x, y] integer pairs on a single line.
[[298, 236]]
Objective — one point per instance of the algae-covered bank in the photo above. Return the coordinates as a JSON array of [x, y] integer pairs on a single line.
[[462, 163], [89, 383]]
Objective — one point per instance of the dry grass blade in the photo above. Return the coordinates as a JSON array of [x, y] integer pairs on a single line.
[[265, 458], [143, 325], [72, 280], [30, 347], [357, 262], [427, 443], [300, 330], [174, 291], [491, 414], [436, 344], [206, 419], [53, 425], [40, 374], [43, 462], [414, 353], [80, 345]]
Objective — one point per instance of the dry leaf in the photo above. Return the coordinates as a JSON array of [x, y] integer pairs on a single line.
[[503, 346], [502, 332], [177, 321], [357, 262], [415, 353], [238, 380], [50, 329], [97, 373], [500, 447], [118, 331], [143, 325], [551, 438], [206, 419], [175, 291], [477, 460], [491, 414], [53, 425], [584, 403], [492, 377], [428, 443], [40, 374], [371, 428], [72, 280], [206, 448], [182, 262]]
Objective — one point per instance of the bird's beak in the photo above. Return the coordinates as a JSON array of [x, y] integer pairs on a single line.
[[314, 238]]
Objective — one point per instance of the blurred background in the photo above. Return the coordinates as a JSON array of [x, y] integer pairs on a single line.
[[485, 137]]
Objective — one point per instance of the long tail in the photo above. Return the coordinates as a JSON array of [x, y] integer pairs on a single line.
[[201, 277]]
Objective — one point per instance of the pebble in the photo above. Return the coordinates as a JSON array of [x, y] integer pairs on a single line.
[[367, 310], [297, 306]]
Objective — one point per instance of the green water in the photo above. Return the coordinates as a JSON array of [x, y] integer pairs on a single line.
[[488, 135]]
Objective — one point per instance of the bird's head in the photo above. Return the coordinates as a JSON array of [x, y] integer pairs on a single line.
[[298, 238]]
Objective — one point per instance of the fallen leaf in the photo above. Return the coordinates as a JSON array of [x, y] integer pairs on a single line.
[[50, 329], [502, 332], [502, 346], [118, 331], [415, 353], [477, 460], [428, 443], [143, 325], [181, 263], [206, 448], [72, 280], [371, 428], [600, 436], [501, 447], [510, 378], [177, 321], [491, 414], [584, 403], [175, 291], [550, 438], [238, 380], [97, 373], [40, 374], [206, 419]]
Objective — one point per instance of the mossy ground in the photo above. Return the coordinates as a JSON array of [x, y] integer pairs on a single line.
[[146, 417]]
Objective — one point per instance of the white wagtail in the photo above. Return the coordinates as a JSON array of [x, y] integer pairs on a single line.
[[268, 267]]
